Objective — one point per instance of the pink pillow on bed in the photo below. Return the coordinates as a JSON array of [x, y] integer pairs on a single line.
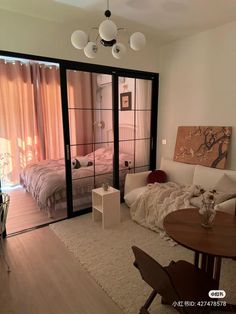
[[157, 176]]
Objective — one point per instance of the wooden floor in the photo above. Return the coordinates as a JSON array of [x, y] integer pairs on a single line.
[[23, 212], [46, 278]]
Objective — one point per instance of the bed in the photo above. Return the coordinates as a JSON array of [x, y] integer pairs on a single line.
[[45, 180]]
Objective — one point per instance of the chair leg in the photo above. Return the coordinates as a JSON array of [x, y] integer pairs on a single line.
[[3, 255], [144, 309]]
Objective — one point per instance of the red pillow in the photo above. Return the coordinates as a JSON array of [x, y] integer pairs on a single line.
[[157, 176]]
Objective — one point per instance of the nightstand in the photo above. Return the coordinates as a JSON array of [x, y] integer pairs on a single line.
[[106, 206]]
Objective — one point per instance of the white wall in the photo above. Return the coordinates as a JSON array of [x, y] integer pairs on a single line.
[[25, 34], [198, 86]]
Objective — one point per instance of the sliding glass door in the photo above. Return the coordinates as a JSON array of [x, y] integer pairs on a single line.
[[109, 128], [91, 133]]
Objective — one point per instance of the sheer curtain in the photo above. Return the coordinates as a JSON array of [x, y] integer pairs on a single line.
[[30, 116]]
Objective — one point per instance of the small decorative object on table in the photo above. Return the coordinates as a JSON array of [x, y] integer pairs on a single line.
[[105, 186], [207, 210]]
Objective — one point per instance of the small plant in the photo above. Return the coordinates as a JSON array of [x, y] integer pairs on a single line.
[[207, 210]]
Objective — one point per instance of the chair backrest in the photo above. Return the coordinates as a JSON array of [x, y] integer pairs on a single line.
[[4, 204], [155, 275]]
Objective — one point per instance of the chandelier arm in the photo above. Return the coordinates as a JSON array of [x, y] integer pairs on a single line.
[[90, 31], [97, 38]]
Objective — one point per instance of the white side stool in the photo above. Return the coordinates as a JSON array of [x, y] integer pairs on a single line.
[[106, 206]]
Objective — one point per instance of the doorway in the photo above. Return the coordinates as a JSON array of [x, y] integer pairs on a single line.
[[31, 134], [111, 131]]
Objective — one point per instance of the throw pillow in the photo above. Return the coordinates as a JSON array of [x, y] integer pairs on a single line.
[[226, 184], [219, 197], [157, 176], [80, 162]]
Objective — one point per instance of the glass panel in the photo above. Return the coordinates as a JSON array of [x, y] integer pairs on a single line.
[[126, 125], [126, 149], [90, 118], [104, 164], [142, 153], [143, 124], [143, 94], [82, 170], [127, 93], [103, 130], [103, 91], [81, 126], [81, 89], [82, 193], [141, 169], [134, 126], [126, 160]]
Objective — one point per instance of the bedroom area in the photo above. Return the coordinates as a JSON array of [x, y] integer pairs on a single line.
[[60, 140], [31, 132]]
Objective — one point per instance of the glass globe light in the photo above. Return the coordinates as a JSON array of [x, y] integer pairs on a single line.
[[90, 49], [118, 50], [107, 30], [137, 41], [79, 39]]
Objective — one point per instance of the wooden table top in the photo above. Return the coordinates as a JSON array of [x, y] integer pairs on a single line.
[[184, 226]]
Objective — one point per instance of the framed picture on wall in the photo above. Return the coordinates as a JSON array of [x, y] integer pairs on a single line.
[[125, 101]]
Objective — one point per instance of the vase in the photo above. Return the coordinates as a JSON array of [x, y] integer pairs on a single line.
[[207, 213]]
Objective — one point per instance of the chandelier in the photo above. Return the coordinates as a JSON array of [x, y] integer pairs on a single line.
[[107, 35]]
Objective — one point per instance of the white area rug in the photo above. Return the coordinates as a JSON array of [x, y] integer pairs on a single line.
[[107, 256]]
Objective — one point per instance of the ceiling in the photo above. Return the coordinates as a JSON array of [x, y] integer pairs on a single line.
[[166, 19]]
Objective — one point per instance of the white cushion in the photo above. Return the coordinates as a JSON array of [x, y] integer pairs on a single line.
[[219, 197], [135, 180], [178, 172], [225, 184], [227, 206], [208, 177], [131, 197]]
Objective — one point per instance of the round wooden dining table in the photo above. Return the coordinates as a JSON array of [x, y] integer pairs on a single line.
[[209, 244]]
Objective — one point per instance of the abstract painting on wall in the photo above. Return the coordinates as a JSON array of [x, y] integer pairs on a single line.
[[203, 145]]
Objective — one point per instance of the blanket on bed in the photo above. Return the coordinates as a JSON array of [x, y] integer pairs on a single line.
[[46, 181], [158, 201]]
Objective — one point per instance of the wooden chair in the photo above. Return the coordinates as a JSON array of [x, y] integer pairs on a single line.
[[179, 281], [4, 204]]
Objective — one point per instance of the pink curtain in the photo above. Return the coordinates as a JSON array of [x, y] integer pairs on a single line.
[[48, 108], [81, 89], [30, 116]]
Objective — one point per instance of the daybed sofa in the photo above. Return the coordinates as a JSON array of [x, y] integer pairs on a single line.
[[208, 178]]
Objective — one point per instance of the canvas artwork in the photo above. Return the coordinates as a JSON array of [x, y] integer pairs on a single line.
[[203, 145]]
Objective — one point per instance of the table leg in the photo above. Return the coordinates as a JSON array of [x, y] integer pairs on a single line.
[[210, 265], [217, 268], [203, 262], [196, 259]]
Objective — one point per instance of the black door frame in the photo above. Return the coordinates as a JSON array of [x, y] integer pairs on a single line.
[[116, 73]]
